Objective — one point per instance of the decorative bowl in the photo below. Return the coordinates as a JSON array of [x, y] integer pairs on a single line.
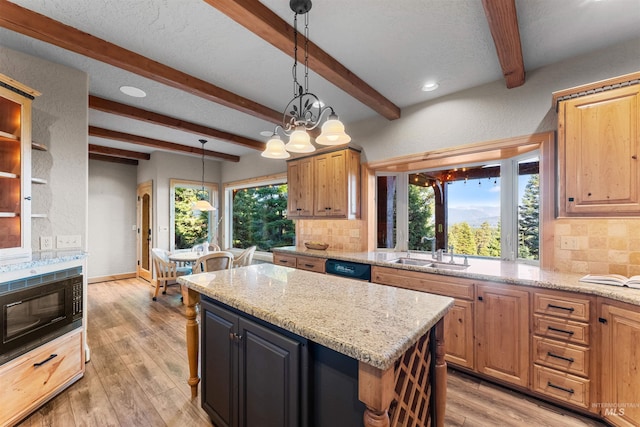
[[316, 245]]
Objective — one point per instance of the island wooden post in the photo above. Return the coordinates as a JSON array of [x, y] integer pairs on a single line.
[[191, 298]]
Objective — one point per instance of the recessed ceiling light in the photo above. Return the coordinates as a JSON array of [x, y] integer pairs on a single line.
[[133, 91], [428, 87]]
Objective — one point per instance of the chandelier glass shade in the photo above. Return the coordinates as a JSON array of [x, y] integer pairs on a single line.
[[202, 204], [305, 111]]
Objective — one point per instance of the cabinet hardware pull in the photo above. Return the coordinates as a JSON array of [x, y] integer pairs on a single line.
[[602, 320], [480, 299], [298, 209], [568, 390], [28, 198], [551, 328], [35, 365], [327, 209], [283, 261], [634, 157], [309, 265], [234, 337], [559, 307], [557, 356]]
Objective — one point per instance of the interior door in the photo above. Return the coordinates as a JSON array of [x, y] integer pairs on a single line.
[[145, 226]]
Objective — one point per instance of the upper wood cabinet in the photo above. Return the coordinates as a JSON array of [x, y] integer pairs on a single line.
[[325, 185], [15, 170], [598, 153]]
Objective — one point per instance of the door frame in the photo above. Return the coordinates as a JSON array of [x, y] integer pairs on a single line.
[[144, 245]]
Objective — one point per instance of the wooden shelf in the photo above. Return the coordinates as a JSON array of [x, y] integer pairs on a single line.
[[38, 146], [8, 175], [8, 135], [38, 181]]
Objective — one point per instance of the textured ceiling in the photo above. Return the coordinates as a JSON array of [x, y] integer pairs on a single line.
[[394, 46]]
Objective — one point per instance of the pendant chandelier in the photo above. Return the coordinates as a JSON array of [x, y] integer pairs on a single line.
[[202, 204], [305, 111]]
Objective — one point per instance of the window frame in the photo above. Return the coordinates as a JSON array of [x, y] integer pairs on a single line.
[[229, 188], [212, 190], [511, 149]]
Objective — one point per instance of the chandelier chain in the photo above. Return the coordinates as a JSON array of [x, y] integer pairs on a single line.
[[306, 52], [295, 55]]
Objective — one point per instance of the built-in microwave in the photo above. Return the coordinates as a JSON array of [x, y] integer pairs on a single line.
[[36, 314]]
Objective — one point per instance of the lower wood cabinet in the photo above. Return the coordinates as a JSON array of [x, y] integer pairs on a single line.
[[620, 374], [251, 373], [35, 377], [502, 333], [308, 263]]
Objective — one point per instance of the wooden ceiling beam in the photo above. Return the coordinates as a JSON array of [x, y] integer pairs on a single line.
[[503, 23], [112, 159], [156, 143], [128, 111], [117, 152], [32, 24], [259, 19]]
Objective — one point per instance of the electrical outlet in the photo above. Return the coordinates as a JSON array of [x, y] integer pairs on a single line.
[[569, 243], [65, 242], [46, 243]]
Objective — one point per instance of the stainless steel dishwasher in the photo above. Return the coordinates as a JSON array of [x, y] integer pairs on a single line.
[[352, 270]]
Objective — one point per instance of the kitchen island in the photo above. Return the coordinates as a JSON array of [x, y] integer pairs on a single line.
[[393, 336]]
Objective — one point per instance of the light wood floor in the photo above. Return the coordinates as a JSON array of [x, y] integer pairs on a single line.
[[138, 370]]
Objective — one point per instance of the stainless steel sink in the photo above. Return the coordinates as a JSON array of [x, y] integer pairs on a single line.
[[411, 261], [428, 263]]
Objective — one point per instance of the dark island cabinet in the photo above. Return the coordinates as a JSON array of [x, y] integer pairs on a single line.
[[253, 374]]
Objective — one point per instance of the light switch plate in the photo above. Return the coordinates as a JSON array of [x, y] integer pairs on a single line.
[[66, 242], [569, 243]]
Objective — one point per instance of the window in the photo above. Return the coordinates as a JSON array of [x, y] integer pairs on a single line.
[[489, 209], [258, 215], [188, 227]]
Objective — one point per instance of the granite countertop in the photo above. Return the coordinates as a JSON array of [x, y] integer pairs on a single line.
[[372, 323], [40, 259], [483, 269]]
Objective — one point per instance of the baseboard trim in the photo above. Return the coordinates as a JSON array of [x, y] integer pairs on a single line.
[[111, 277]]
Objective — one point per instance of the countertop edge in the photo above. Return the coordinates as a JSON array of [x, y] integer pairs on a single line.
[[617, 293]]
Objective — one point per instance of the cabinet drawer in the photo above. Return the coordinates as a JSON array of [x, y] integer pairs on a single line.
[[562, 306], [561, 329], [286, 260], [25, 386], [454, 287], [565, 387], [562, 356], [311, 264]]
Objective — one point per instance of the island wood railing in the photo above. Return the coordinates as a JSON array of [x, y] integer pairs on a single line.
[[410, 393]]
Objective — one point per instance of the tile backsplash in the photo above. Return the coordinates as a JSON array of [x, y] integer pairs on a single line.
[[601, 246], [341, 235]]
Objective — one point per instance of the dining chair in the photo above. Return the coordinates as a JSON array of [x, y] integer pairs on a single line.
[[221, 260], [245, 258], [213, 247], [165, 271]]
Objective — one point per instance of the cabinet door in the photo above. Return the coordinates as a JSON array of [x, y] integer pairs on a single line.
[[458, 334], [219, 365], [331, 185], [300, 188], [15, 176], [269, 377], [620, 364], [599, 148], [502, 333]]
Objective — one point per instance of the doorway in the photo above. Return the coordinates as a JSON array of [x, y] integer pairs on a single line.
[[145, 227]]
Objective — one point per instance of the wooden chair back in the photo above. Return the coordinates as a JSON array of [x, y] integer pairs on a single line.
[[165, 271], [220, 260]]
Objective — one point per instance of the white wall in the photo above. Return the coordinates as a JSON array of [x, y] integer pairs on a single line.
[[490, 111], [60, 120], [112, 214], [250, 166]]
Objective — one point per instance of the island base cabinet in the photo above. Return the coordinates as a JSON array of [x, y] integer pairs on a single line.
[[620, 374], [502, 333], [458, 334], [252, 374]]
